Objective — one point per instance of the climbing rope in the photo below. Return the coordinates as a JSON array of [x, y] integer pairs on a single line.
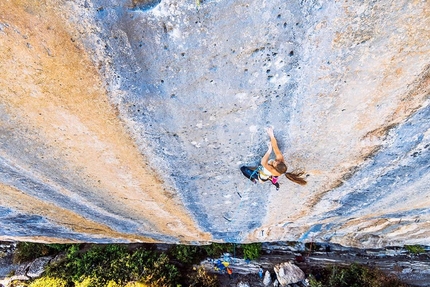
[[239, 207], [233, 218]]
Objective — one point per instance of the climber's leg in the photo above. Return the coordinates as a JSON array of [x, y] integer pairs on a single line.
[[250, 173]]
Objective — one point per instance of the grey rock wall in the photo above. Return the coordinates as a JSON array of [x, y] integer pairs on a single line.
[[183, 92]]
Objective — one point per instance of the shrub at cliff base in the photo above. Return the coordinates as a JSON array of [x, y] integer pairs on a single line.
[[48, 282], [251, 251], [184, 253], [354, 275], [202, 279], [88, 282], [415, 249], [28, 251], [187, 254], [114, 264], [215, 250], [135, 284]]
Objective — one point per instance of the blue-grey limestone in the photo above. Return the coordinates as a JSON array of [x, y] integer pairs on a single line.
[[128, 120]]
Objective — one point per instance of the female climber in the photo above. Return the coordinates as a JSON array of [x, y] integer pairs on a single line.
[[271, 169]]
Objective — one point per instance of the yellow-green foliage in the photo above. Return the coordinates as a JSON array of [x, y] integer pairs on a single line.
[[87, 282], [48, 282], [136, 284], [91, 282], [113, 284], [159, 272], [202, 278]]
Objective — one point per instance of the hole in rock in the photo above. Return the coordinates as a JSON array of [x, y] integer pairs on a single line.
[[144, 5]]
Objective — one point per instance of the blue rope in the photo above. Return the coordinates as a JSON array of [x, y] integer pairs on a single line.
[[255, 171]]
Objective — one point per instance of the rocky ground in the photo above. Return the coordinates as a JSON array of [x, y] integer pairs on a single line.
[[411, 269], [6, 264]]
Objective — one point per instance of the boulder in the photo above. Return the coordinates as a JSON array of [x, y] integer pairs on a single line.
[[22, 269], [58, 258], [243, 284], [267, 279], [37, 267], [19, 278], [288, 273]]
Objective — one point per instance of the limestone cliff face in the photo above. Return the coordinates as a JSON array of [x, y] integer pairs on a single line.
[[126, 121]]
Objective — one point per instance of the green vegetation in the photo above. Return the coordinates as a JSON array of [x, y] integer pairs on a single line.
[[134, 284], [313, 282], [27, 251], [312, 246], [120, 265], [114, 264], [217, 249], [251, 251], [184, 253], [48, 282], [415, 249], [202, 279], [353, 275]]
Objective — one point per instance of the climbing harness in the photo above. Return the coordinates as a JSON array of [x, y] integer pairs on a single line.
[[256, 171], [259, 171]]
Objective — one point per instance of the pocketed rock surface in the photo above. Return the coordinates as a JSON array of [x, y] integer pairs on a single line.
[[128, 120]]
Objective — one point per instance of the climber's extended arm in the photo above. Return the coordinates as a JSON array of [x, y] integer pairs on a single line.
[[278, 154], [265, 160]]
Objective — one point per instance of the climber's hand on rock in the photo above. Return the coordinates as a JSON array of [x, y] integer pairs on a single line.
[[270, 132]]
